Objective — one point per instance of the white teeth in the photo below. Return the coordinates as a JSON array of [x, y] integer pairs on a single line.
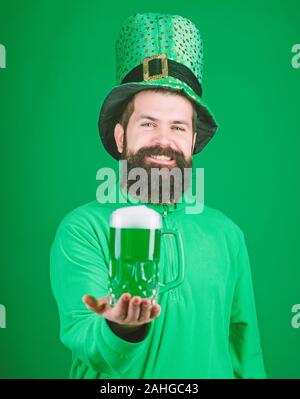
[[161, 157]]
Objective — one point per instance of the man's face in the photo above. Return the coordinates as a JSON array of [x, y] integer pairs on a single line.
[[159, 133], [159, 120]]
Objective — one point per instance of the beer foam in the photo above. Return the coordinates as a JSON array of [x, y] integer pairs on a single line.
[[139, 217]]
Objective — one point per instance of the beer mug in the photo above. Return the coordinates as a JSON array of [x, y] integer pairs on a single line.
[[135, 244]]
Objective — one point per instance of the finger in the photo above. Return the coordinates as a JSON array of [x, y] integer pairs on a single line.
[[89, 301], [98, 306], [155, 311], [133, 310], [121, 308], [145, 310]]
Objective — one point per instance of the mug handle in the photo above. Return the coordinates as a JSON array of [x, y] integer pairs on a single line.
[[179, 246]]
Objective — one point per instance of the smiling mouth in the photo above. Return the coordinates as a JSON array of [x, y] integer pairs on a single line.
[[161, 159]]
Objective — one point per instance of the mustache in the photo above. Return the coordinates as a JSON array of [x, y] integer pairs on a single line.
[[156, 150]]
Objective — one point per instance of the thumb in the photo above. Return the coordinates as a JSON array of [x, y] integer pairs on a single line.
[[98, 306]]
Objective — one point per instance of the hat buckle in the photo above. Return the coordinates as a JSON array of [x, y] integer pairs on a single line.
[[164, 67]]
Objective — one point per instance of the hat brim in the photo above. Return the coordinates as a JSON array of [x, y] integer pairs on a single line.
[[115, 102]]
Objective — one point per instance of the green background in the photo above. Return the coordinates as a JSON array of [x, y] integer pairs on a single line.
[[60, 66]]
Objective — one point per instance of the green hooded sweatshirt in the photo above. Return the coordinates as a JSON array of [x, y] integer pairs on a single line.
[[207, 327]]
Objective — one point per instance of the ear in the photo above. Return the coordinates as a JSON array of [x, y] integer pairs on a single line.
[[119, 136], [194, 141]]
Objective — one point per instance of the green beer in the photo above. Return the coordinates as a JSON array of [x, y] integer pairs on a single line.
[[135, 235]]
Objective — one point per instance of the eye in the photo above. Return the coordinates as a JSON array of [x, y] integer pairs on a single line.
[[147, 123], [180, 128]]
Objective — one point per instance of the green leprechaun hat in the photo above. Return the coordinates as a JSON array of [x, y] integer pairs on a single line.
[[156, 50]]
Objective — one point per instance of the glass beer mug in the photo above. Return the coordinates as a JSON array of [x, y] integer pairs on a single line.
[[135, 243]]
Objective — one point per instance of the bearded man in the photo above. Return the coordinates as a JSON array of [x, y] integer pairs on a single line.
[[205, 326]]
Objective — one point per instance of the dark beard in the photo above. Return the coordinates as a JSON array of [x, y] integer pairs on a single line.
[[163, 186]]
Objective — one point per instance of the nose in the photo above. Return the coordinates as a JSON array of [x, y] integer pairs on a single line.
[[162, 137]]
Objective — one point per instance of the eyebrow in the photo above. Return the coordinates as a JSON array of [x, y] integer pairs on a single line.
[[155, 120]]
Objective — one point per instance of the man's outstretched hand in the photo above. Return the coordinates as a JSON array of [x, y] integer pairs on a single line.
[[128, 312]]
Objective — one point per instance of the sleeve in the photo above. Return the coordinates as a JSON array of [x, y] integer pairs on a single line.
[[244, 340], [77, 267]]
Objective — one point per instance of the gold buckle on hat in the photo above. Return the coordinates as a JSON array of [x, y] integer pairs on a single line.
[[164, 67]]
